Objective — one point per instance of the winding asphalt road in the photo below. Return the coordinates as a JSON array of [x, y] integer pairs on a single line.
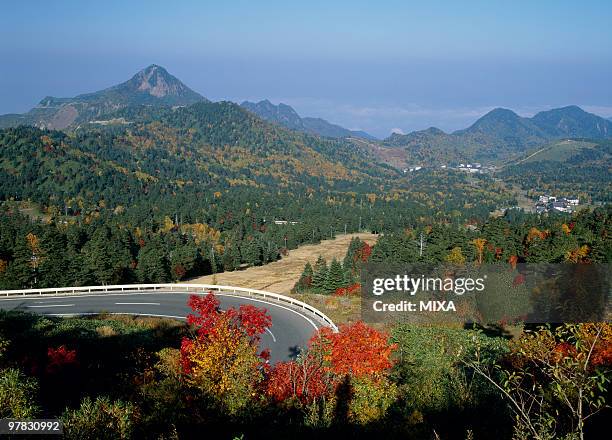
[[290, 329]]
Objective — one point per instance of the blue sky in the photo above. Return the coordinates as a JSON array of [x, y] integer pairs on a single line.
[[371, 65]]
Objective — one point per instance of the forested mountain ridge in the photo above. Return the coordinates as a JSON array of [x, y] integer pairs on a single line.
[[501, 134], [286, 116], [150, 86], [184, 154], [203, 146]]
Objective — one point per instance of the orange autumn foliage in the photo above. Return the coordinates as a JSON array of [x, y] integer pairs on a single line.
[[357, 350]]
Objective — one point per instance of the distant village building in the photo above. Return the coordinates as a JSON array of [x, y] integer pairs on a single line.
[[561, 207], [547, 203]]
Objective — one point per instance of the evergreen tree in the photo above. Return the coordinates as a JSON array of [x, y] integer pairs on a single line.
[[152, 264], [305, 281], [53, 267], [183, 259], [251, 252], [319, 276], [99, 260], [20, 273], [335, 277]]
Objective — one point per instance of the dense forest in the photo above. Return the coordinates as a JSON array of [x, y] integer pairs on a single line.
[[515, 238], [195, 190]]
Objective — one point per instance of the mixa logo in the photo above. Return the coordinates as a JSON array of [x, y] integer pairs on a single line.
[[437, 306], [413, 306]]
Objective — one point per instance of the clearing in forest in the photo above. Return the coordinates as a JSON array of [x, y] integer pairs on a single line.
[[281, 275]]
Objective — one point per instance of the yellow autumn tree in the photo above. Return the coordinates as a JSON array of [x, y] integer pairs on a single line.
[[479, 243], [168, 224], [201, 232], [224, 366], [577, 255], [34, 245], [455, 256]]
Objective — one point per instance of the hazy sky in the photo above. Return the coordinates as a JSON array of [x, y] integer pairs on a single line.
[[376, 65]]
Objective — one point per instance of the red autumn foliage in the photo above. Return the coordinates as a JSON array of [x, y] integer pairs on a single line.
[[59, 358], [247, 320], [352, 290], [363, 254], [357, 349], [498, 252], [250, 320], [563, 350], [602, 356], [306, 380], [186, 347]]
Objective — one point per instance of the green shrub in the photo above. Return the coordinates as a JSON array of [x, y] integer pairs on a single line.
[[99, 419], [17, 393]]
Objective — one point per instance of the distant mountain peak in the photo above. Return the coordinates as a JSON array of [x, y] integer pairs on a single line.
[[156, 81], [152, 85], [434, 131], [500, 112], [286, 116], [500, 119], [573, 121]]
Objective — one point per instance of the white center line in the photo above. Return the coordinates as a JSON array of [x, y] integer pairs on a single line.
[[271, 334], [137, 304], [53, 305]]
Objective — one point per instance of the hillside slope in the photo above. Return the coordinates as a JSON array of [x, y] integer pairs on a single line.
[[193, 148]]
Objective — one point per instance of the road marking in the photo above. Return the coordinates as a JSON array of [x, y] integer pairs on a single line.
[[113, 313], [230, 295], [137, 304], [271, 334], [53, 305]]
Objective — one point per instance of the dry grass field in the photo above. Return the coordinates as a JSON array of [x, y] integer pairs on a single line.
[[280, 276]]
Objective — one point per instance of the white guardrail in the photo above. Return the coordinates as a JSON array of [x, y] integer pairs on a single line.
[[186, 288]]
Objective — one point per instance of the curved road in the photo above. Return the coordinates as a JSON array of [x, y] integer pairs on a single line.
[[290, 329]]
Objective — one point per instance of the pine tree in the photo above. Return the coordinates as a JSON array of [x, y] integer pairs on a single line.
[[152, 264], [53, 267], [98, 258], [228, 259], [305, 281], [20, 273], [251, 252], [335, 277], [319, 275]]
